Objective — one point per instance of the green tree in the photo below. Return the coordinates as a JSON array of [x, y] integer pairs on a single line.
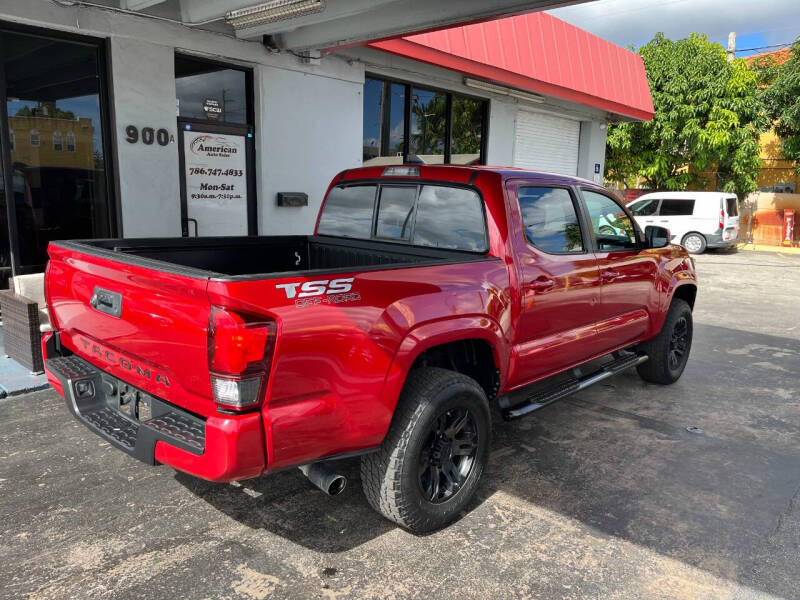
[[708, 117], [781, 96], [45, 109]]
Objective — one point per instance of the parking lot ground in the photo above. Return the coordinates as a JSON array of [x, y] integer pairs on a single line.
[[625, 490]]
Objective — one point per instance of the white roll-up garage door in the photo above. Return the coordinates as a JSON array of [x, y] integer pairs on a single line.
[[546, 143]]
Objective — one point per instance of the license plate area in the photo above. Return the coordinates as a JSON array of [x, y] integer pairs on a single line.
[[128, 400], [126, 416]]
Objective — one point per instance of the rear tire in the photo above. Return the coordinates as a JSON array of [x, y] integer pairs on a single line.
[[694, 242], [668, 352], [432, 458]]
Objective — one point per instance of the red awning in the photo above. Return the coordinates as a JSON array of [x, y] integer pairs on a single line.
[[539, 53]]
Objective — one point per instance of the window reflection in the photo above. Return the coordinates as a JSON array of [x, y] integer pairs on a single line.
[[203, 88], [391, 108], [348, 212], [428, 126], [57, 194], [395, 212], [449, 217], [550, 220], [467, 131], [384, 122], [613, 229]]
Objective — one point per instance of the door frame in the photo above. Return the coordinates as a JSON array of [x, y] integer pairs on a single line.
[[107, 122], [245, 129], [250, 164]]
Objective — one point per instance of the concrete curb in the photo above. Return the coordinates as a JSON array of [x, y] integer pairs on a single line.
[[6, 393], [773, 249]]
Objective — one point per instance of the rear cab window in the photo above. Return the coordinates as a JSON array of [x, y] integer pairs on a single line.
[[348, 212], [431, 215]]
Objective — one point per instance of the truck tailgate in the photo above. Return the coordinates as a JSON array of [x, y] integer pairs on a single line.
[[145, 326]]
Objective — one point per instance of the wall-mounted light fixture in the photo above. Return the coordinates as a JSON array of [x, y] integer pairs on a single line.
[[502, 90], [275, 10]]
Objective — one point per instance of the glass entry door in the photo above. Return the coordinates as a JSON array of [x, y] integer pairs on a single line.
[[53, 132], [216, 146]]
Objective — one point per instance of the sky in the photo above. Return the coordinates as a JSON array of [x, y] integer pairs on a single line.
[[757, 23]]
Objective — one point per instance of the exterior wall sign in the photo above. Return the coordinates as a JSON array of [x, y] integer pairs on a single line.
[[148, 136], [216, 182], [788, 227], [212, 109]]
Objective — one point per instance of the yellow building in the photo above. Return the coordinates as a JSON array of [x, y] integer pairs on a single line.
[[38, 141], [776, 171]]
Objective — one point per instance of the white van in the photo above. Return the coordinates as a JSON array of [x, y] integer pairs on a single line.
[[696, 220]]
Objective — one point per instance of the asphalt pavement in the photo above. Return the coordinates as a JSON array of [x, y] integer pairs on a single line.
[[625, 490]]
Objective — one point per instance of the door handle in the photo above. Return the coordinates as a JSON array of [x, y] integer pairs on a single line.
[[186, 226], [541, 284], [608, 275]]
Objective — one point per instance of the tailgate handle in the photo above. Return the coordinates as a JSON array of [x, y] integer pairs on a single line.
[[106, 301]]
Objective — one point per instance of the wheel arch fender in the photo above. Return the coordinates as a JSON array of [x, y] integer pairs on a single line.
[[681, 287], [438, 333]]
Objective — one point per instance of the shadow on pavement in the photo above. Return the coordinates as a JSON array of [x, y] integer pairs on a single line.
[[619, 458]]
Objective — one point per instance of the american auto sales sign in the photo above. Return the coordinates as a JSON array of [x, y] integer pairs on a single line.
[[216, 182]]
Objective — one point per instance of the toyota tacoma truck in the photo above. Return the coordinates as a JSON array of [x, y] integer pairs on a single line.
[[428, 298]]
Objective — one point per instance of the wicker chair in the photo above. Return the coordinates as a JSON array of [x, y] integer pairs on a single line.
[[25, 318]]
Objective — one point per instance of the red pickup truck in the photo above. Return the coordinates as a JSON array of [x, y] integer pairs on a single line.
[[426, 295]]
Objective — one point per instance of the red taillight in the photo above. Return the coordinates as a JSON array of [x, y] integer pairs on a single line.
[[239, 357], [722, 219]]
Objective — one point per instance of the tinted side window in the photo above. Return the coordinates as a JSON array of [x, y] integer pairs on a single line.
[[732, 207], [613, 229], [348, 212], [676, 208], [449, 217], [644, 208], [396, 212], [549, 218]]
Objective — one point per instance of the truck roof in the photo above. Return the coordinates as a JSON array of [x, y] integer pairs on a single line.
[[457, 174]]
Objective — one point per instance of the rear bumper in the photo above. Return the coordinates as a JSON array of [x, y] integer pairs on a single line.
[[715, 240], [218, 448]]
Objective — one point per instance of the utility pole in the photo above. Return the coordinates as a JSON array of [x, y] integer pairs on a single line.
[[731, 46]]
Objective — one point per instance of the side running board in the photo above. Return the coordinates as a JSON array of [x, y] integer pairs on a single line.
[[521, 402]]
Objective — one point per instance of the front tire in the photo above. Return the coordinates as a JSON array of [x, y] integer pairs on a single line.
[[668, 352], [695, 243], [432, 458]]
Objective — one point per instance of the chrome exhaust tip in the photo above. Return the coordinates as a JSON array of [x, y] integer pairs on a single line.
[[326, 479]]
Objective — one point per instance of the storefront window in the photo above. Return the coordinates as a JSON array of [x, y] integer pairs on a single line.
[[384, 122], [5, 250], [57, 195], [210, 92], [428, 126], [467, 131], [395, 110]]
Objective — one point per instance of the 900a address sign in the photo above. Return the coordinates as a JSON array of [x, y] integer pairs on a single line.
[[148, 135]]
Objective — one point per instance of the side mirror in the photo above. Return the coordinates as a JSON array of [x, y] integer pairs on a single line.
[[656, 237]]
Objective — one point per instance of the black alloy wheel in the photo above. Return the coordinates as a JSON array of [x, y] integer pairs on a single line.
[[430, 463], [678, 343], [448, 455]]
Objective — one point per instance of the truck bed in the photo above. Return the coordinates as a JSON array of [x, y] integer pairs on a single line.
[[264, 257]]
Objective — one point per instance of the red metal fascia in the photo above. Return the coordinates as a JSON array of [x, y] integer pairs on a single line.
[[407, 49]]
